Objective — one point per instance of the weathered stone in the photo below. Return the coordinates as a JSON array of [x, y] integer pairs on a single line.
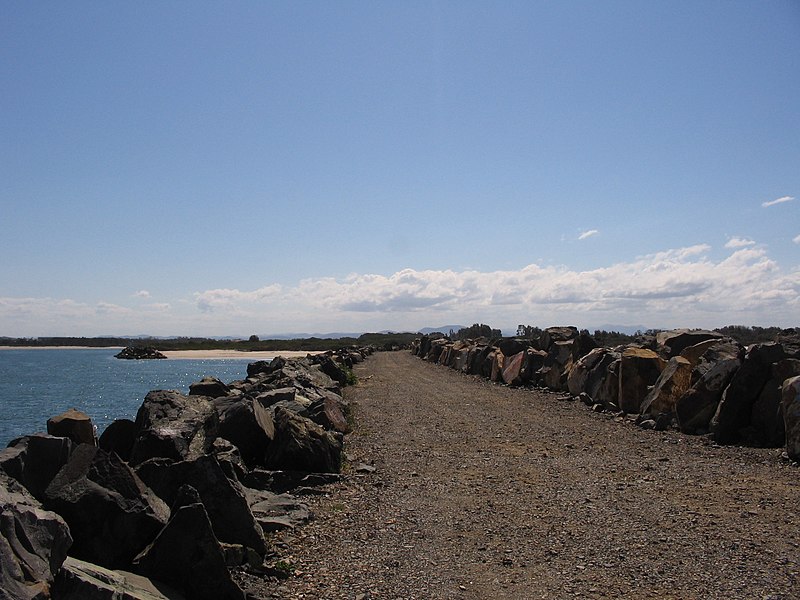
[[605, 378], [579, 374], [229, 459], [302, 445], [734, 411], [497, 366], [639, 369], [111, 513], [139, 353], [551, 335], [695, 352], [188, 555], [275, 512], [210, 387], [672, 383], [34, 460], [330, 413], [119, 437], [224, 500], [710, 377], [767, 421], [80, 580], [328, 366], [675, 341], [790, 393], [247, 425], [174, 426], [513, 367], [74, 425], [512, 346], [33, 543]]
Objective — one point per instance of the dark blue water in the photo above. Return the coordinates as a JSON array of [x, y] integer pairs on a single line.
[[38, 384]]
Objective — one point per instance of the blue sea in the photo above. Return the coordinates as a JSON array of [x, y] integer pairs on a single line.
[[36, 384]]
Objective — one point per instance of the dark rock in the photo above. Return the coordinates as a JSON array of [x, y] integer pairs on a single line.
[[224, 500], [790, 393], [330, 413], [33, 543], [736, 407], [210, 387], [188, 555], [270, 397], [229, 459], [174, 426], [710, 377], [302, 445], [74, 425], [331, 369], [111, 513], [579, 374], [639, 370], [119, 437], [265, 367], [139, 353], [606, 382], [34, 460], [247, 425], [672, 383], [674, 342], [275, 512], [551, 335], [80, 580], [767, 421], [512, 346]]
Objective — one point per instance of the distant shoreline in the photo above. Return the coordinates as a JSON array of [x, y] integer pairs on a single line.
[[186, 354]]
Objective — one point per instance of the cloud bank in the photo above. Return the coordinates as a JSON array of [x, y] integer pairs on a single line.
[[680, 287]]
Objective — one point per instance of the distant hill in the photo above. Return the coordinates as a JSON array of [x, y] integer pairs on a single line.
[[445, 329]]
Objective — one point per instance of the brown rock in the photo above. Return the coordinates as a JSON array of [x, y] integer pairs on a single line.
[[74, 425], [639, 369], [671, 384]]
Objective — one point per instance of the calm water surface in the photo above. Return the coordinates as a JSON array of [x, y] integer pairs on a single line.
[[38, 384]]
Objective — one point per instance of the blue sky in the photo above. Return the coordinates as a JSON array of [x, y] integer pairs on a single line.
[[199, 168]]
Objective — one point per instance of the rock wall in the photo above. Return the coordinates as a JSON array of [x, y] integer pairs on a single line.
[[182, 495], [698, 382]]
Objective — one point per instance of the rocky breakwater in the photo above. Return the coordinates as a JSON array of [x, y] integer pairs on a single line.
[[175, 503], [696, 381]]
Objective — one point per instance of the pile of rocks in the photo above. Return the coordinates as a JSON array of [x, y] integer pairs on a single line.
[[697, 381], [139, 353], [166, 506]]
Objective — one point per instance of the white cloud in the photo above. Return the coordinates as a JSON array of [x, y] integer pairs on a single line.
[[780, 200], [796, 239], [588, 234], [142, 294], [680, 287], [736, 242]]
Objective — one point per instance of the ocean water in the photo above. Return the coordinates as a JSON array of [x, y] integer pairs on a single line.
[[38, 384]]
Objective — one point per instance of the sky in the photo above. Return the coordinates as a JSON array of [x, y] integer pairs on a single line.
[[237, 168]]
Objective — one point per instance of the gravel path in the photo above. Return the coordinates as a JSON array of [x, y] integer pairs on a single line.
[[483, 491]]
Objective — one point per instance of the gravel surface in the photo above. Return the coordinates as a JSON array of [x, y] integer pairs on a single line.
[[484, 491]]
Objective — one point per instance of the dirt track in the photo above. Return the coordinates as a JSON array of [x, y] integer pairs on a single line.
[[482, 491]]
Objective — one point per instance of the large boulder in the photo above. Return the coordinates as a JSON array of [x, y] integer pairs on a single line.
[[579, 374], [330, 412], [81, 580], [119, 437], [513, 368], [328, 366], [74, 425], [674, 342], [766, 420], [33, 543], [603, 384], [714, 370], [672, 383], [224, 500], [248, 425], [209, 386], [302, 445], [551, 335], [34, 460], [731, 421], [639, 370], [790, 393], [171, 425], [187, 554], [112, 515]]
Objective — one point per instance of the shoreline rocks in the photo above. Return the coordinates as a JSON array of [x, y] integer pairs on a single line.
[[694, 380], [184, 494], [139, 353]]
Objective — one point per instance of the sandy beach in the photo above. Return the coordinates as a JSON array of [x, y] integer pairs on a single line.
[[258, 355]]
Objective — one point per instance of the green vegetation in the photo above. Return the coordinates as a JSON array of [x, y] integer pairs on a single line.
[[380, 340], [475, 331]]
